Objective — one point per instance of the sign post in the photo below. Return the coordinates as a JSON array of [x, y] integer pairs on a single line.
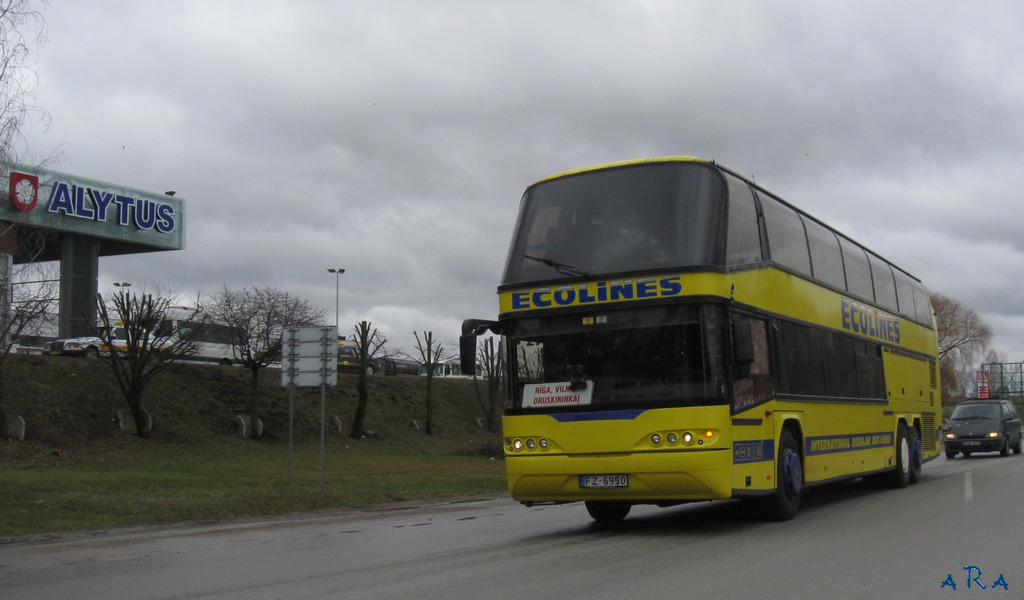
[[309, 357]]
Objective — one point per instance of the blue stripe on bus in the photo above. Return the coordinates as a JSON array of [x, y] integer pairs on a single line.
[[828, 444], [607, 415]]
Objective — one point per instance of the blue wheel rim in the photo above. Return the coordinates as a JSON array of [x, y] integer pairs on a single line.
[[792, 474]]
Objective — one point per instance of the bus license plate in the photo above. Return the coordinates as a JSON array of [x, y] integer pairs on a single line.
[[604, 481]]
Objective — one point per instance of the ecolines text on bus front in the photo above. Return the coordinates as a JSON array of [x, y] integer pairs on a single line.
[[598, 292]]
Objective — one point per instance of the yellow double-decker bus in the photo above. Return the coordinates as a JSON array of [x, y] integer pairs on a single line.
[[676, 333]]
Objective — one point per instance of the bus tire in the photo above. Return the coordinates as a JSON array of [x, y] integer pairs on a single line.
[[900, 476], [783, 503], [916, 455], [608, 511]]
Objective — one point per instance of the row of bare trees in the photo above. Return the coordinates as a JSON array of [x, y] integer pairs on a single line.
[[144, 346], [141, 346], [430, 353]]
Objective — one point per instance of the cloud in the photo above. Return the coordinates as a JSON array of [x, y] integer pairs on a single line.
[[395, 138]]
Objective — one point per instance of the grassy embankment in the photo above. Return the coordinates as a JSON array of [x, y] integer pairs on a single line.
[[76, 470]]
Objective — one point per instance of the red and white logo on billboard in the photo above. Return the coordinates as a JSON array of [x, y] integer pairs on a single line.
[[983, 384], [24, 191]]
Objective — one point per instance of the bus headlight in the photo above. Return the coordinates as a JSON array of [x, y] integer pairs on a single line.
[[671, 438], [543, 443], [531, 444], [687, 437], [655, 439], [517, 444]]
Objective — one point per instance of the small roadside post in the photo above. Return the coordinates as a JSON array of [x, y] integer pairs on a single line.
[[309, 357]]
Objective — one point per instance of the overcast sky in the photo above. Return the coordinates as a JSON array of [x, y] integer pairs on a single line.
[[394, 139]]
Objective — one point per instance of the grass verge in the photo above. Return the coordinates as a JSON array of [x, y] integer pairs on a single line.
[[137, 483]]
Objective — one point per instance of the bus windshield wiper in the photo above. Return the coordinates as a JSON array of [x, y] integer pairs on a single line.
[[562, 268]]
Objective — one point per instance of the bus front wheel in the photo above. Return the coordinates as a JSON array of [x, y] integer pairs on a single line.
[[608, 511], [784, 502]]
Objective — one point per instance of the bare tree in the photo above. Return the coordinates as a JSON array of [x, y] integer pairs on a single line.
[[142, 343], [24, 310], [258, 316], [21, 28], [490, 364], [369, 343], [430, 356], [963, 337]]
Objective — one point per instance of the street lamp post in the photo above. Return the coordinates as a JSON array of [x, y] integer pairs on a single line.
[[337, 283]]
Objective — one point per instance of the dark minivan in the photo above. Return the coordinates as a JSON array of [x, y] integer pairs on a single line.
[[983, 426]]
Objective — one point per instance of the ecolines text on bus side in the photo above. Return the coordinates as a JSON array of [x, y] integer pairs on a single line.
[[598, 292], [867, 320]]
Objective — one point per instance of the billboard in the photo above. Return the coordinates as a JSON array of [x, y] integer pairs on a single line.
[[128, 220]]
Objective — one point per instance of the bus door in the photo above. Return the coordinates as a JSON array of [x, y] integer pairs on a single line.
[[753, 424]]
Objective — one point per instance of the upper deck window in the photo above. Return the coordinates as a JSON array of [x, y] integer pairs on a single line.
[[743, 243], [826, 256], [885, 286], [858, 273], [787, 239], [635, 217]]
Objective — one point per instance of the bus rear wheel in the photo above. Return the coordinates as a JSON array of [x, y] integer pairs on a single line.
[[608, 511], [900, 476], [784, 502], [916, 455]]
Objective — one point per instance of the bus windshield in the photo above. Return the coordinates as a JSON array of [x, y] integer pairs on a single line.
[[636, 217], [619, 359]]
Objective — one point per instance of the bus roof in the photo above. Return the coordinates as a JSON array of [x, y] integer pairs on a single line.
[[623, 163]]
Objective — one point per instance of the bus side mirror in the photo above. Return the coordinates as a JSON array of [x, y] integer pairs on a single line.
[[467, 353], [467, 342], [742, 347]]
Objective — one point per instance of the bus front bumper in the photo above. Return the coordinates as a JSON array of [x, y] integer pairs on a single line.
[[650, 476]]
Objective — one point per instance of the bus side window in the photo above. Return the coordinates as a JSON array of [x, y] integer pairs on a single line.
[[759, 383]]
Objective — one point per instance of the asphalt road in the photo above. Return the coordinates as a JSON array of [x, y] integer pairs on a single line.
[[963, 525]]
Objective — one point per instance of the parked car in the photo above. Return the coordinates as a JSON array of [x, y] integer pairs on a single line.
[[983, 426], [79, 346]]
